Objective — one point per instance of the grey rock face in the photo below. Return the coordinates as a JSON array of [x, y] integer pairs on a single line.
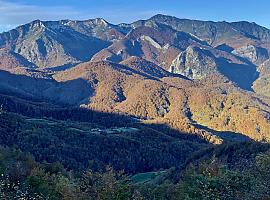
[[254, 54], [265, 67], [194, 62]]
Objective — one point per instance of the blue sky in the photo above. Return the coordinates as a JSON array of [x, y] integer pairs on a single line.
[[16, 12]]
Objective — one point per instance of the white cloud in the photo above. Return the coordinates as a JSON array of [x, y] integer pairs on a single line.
[[7, 27], [12, 14], [15, 12]]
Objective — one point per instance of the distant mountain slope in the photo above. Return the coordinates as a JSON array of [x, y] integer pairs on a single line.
[[233, 35], [215, 33], [56, 43], [159, 45], [146, 67]]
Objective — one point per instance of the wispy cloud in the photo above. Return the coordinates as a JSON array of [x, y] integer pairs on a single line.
[[13, 14], [6, 27]]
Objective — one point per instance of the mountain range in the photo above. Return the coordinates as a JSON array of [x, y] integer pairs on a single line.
[[180, 78]]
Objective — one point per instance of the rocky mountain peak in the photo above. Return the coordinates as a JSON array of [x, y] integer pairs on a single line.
[[254, 54], [37, 24], [194, 62], [101, 21]]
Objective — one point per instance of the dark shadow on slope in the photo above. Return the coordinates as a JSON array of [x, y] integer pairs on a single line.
[[80, 46], [62, 67], [49, 90], [80, 138], [234, 155], [128, 70], [42, 89], [225, 47], [242, 74], [51, 111], [24, 61], [227, 136]]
